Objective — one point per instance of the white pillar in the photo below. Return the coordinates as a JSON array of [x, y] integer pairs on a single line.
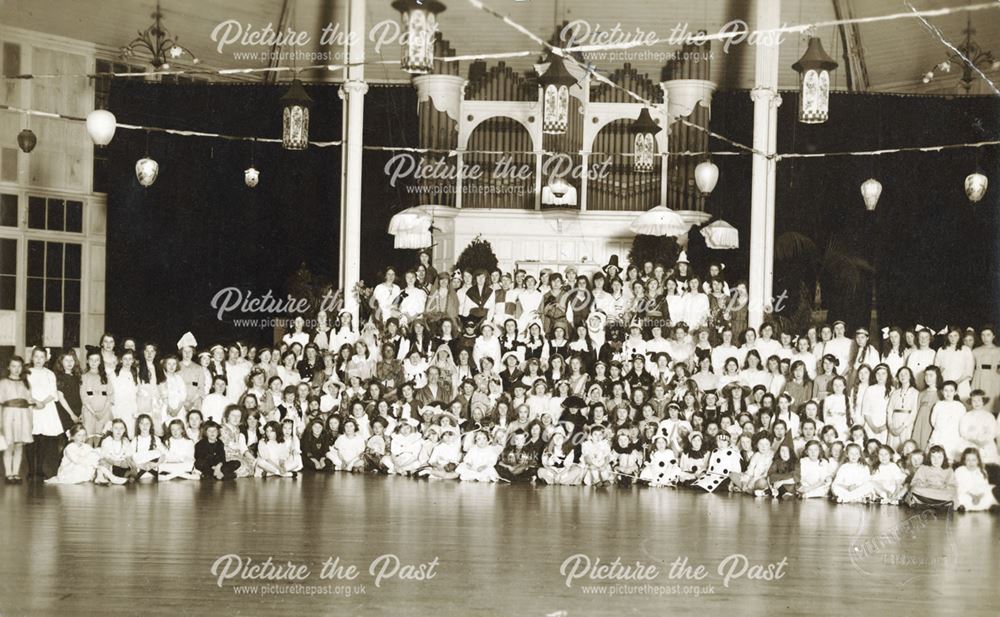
[[765, 115], [353, 92]]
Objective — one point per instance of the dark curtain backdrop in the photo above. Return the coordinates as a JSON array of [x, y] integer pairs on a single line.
[[199, 229], [935, 255]]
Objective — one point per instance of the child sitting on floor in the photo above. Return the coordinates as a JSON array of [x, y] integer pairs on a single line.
[[973, 490], [888, 479], [479, 464], [852, 484], [595, 454], [80, 461], [815, 474]]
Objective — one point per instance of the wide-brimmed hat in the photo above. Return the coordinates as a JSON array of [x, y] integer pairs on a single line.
[[574, 402]]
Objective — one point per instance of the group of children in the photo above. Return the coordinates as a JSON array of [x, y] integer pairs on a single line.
[[489, 377]]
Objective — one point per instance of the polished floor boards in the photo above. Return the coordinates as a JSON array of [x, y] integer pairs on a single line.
[[499, 550]]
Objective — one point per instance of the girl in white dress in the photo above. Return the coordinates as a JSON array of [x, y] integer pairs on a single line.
[[177, 460], [888, 479], [973, 490], [835, 407], [902, 408], [445, 457], [595, 456], [214, 404], [956, 363], [528, 301], [125, 385], [861, 382], [852, 483], [479, 463], [346, 453], [291, 441], [946, 417], [754, 479], [875, 405], [273, 454], [146, 447], [346, 333], [116, 454], [894, 353], [815, 472], [80, 460], [46, 428], [173, 392], [150, 377]]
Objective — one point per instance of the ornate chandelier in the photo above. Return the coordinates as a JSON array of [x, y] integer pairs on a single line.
[[158, 43], [969, 55]]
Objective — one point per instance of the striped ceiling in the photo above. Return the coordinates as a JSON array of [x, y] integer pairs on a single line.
[[896, 53]]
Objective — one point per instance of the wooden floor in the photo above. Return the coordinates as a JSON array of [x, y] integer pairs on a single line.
[[150, 550]]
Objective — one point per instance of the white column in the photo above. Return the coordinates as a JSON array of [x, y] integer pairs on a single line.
[[765, 115], [353, 92]]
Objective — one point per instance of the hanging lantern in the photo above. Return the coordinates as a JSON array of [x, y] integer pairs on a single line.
[[101, 125], [146, 170], [412, 240], [871, 190], [251, 176], [559, 192], [975, 186], [555, 83], [295, 106], [26, 140], [420, 23], [706, 175], [814, 83], [659, 221], [720, 235], [644, 144]]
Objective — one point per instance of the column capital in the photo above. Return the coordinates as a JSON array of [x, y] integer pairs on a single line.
[[763, 93], [353, 87]]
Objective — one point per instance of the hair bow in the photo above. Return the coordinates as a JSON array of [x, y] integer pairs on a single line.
[[943, 330], [885, 332]]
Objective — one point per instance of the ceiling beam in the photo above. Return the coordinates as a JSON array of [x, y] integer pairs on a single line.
[[274, 59], [854, 55]]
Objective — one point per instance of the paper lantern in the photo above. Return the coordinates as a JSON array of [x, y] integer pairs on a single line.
[[659, 221], [26, 140], [644, 129], [146, 170], [721, 235], [101, 125], [555, 83], [251, 176], [559, 192], [814, 83], [420, 22], [295, 106], [871, 190], [975, 186], [706, 176]]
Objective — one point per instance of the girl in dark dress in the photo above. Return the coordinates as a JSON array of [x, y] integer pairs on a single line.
[[69, 403], [315, 444]]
